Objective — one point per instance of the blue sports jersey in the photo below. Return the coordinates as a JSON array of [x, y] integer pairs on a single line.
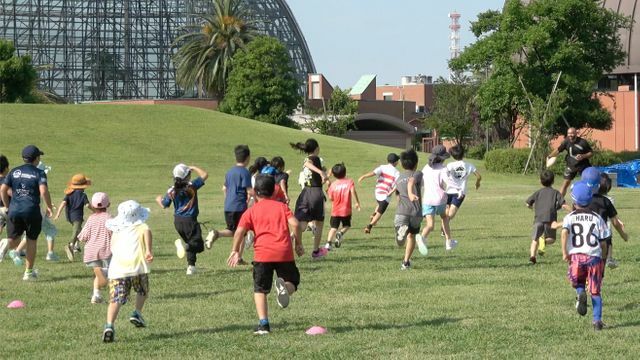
[[25, 182], [182, 204], [237, 180]]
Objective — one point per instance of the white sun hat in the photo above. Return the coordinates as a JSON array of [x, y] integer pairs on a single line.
[[130, 213], [181, 171]]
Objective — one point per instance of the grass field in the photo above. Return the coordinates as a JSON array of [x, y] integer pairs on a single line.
[[482, 300]]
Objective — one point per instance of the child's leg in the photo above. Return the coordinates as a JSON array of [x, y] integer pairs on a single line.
[[112, 312], [428, 227], [32, 248], [533, 250], [452, 210], [445, 226], [140, 299], [317, 236], [331, 236], [409, 247], [595, 273], [344, 229], [261, 306], [77, 227], [21, 245], [99, 280]]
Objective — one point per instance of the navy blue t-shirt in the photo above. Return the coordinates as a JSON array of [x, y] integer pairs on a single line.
[[181, 199], [75, 205], [25, 182], [237, 180]]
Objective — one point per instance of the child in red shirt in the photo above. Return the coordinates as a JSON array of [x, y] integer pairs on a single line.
[[270, 221], [340, 192]]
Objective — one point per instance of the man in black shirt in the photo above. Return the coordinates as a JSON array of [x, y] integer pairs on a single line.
[[578, 154]]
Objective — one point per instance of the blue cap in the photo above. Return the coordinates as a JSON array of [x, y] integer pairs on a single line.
[[591, 176], [31, 152], [581, 193], [269, 170]]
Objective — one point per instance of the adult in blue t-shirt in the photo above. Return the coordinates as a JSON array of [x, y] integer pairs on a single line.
[[27, 184]]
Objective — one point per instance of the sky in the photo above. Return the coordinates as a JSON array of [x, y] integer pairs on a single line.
[[389, 38]]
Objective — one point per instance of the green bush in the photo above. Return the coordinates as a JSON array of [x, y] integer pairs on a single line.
[[628, 155], [476, 152], [511, 161]]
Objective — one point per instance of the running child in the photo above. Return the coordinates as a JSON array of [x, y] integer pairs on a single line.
[[74, 201], [271, 222], [434, 198], [237, 190], [458, 172], [97, 247], [583, 243], [341, 192], [310, 203], [602, 205], [385, 186], [409, 212], [4, 170], [281, 176], [184, 196], [131, 248]]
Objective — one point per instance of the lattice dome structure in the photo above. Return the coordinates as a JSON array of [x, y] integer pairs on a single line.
[[121, 49]]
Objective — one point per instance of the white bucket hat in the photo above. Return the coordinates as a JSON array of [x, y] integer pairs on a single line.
[[181, 171], [129, 213]]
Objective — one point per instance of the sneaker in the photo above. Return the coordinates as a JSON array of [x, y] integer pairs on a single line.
[[581, 303], [31, 275], [422, 245], [97, 299], [338, 241], [406, 265], [401, 236], [15, 256], [51, 256], [262, 329], [191, 270], [612, 263], [76, 249], [108, 334], [541, 246], [327, 246], [211, 238], [136, 319], [4, 246], [68, 249], [451, 244], [598, 325], [533, 260], [319, 254], [22, 253], [180, 250], [367, 229], [283, 293]]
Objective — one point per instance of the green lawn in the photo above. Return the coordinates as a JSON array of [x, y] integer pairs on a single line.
[[482, 300]]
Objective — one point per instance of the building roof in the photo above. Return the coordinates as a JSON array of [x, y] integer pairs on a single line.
[[362, 84]]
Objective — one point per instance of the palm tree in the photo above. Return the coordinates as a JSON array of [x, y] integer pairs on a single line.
[[204, 53]]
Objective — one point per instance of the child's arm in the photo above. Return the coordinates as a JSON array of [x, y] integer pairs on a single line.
[[555, 225], [60, 208], [224, 190], [478, 179], [354, 195], [201, 173], [410, 184], [564, 236], [285, 190], [619, 226], [309, 165], [238, 237], [367, 175], [148, 241], [297, 238], [159, 201]]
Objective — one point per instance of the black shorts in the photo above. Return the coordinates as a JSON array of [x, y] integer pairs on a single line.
[[382, 206], [18, 225], [232, 218], [571, 172], [453, 199], [310, 205], [335, 221], [263, 275], [543, 228], [607, 240], [189, 230]]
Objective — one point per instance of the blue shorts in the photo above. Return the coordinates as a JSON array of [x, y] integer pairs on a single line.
[[453, 199], [433, 210]]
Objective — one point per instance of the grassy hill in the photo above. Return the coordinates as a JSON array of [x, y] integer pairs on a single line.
[[481, 300]]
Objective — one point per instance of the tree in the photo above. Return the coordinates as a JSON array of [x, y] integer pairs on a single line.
[[337, 118], [17, 74], [453, 110], [541, 63], [204, 53], [262, 83]]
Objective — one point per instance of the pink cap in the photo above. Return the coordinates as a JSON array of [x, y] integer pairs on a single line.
[[100, 200]]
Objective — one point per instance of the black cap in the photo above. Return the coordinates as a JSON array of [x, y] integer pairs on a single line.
[[393, 157], [31, 152]]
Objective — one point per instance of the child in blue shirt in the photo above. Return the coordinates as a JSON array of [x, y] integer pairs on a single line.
[[74, 201], [184, 196]]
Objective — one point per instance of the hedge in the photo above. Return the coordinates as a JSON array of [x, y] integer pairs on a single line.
[[512, 161]]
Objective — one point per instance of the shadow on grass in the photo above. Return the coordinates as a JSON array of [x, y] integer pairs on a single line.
[[624, 325], [70, 277], [203, 331], [192, 295], [381, 326]]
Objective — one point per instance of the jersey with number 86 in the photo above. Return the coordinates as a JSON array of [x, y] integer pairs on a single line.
[[586, 230]]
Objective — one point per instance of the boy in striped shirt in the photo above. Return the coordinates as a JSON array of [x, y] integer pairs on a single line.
[[385, 186]]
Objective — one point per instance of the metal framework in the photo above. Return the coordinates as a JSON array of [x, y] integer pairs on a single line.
[[121, 49]]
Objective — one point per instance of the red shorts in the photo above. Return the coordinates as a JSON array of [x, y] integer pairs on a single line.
[[583, 267]]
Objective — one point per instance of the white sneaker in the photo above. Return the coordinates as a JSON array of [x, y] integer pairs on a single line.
[[338, 241], [422, 245], [4, 246], [180, 250], [401, 236], [97, 299], [451, 244], [283, 293], [327, 246], [211, 238], [32, 276], [612, 263], [51, 256], [191, 270]]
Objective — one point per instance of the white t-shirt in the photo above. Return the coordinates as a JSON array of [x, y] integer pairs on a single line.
[[432, 179], [457, 174], [387, 176], [128, 249], [586, 229]]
